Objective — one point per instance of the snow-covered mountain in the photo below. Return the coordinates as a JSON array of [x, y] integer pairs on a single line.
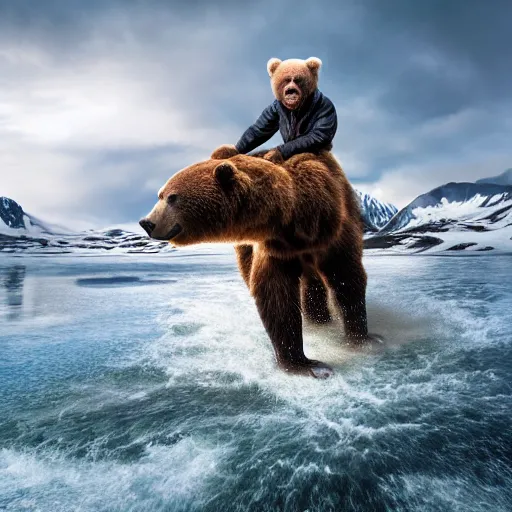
[[21, 232], [11, 214], [375, 213], [467, 206], [453, 217], [111, 240], [14, 221]]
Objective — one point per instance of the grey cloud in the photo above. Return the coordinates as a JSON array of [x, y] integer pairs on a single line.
[[419, 86]]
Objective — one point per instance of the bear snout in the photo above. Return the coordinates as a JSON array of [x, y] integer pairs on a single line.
[[147, 226]]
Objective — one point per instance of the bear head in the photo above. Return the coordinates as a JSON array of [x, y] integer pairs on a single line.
[[293, 80], [230, 200], [197, 204]]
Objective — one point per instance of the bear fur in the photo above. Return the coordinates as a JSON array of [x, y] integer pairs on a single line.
[[298, 232]]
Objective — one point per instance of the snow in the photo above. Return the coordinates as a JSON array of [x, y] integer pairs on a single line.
[[6, 230], [376, 214], [471, 210], [496, 241], [500, 240]]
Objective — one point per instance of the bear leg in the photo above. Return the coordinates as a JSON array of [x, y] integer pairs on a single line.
[[275, 287], [347, 277], [244, 259], [314, 299]]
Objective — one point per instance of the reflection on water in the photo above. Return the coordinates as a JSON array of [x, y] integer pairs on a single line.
[[12, 281], [109, 282]]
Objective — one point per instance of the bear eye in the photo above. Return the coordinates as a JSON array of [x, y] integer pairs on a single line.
[[172, 198], [298, 80]]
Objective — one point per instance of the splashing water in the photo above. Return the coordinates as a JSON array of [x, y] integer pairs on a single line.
[[141, 384]]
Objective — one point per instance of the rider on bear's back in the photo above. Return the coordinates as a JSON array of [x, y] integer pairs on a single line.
[[305, 117]]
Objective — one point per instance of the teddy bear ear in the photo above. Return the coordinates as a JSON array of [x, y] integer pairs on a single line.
[[225, 174], [314, 64], [272, 65]]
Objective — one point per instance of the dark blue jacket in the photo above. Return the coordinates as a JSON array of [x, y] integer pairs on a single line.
[[309, 129]]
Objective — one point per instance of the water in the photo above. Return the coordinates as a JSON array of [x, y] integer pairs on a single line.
[[148, 384]]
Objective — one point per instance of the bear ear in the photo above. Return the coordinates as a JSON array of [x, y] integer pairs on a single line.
[[314, 64], [272, 65], [225, 174]]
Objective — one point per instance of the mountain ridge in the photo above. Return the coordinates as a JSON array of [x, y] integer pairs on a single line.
[[505, 178], [375, 213], [452, 192]]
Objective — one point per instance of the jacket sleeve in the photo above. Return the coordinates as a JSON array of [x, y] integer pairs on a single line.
[[319, 136], [265, 126]]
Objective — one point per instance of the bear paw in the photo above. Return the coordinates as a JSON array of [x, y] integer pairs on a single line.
[[274, 155], [321, 371], [311, 368], [224, 151]]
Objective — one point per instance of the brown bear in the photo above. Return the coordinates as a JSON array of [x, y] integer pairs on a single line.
[[305, 117], [297, 231]]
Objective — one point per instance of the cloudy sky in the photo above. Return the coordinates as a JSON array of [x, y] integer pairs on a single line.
[[102, 101]]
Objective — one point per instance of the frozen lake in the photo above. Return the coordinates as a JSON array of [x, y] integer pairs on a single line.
[[147, 383]]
